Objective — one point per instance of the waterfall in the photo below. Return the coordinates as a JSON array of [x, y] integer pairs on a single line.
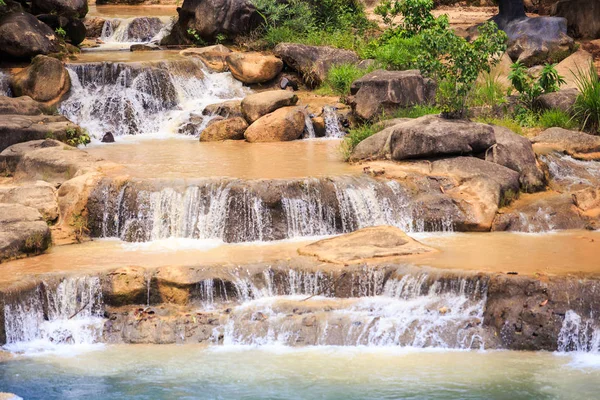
[[571, 173], [4, 84], [579, 334], [121, 33], [143, 98], [241, 211], [69, 312], [415, 311], [309, 129], [332, 123]]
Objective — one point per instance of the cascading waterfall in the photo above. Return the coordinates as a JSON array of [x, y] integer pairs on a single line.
[[70, 312], [143, 98], [236, 211], [332, 123], [579, 334], [120, 33], [570, 172], [4, 84]]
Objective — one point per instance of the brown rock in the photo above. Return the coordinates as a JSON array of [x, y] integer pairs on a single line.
[[39, 195], [577, 144], [583, 17], [23, 231], [45, 80], [126, 285], [226, 109], [567, 68], [212, 56], [228, 129], [23, 105], [256, 105], [284, 124], [252, 68]]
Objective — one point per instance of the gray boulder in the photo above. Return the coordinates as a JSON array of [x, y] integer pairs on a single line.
[[23, 105], [65, 8], [577, 144], [563, 100], [23, 128], [385, 91], [583, 17], [23, 36]]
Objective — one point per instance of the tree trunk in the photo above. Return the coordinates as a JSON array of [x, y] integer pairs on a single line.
[[509, 11]]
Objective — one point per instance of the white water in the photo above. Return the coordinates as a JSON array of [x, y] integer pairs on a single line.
[[121, 33], [579, 334], [569, 172], [143, 98], [332, 123], [62, 317], [4, 84]]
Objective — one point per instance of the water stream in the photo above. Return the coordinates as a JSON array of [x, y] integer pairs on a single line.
[[121, 33]]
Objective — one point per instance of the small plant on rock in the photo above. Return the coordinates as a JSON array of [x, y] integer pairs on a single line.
[[529, 88], [77, 136], [587, 105], [61, 32], [196, 38]]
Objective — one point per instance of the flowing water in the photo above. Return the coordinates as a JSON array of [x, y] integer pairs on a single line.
[[4, 84], [121, 33]]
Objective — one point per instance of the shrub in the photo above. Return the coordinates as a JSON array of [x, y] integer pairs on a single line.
[[340, 78], [529, 88], [396, 53], [354, 137], [587, 105], [556, 118], [416, 15], [77, 136], [416, 111], [488, 92]]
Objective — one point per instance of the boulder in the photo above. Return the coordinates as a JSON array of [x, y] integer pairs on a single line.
[[374, 147], [566, 174], [534, 41], [256, 105], [569, 67], [23, 231], [313, 62], [93, 26], [365, 244], [583, 17], [22, 128], [108, 138], [39, 195], [563, 100], [226, 109], [23, 36], [515, 152], [193, 125], [227, 129], [385, 91], [212, 56], [282, 125], [579, 145], [126, 285], [253, 68], [144, 47], [23, 105], [142, 29], [432, 136], [45, 80], [209, 18], [65, 8]]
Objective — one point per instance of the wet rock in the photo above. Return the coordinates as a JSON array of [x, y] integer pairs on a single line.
[[228, 129], [94, 26], [385, 91], [580, 145], [143, 29], [563, 100], [212, 56], [583, 17], [45, 80], [193, 126], [587, 199], [22, 128], [313, 62], [226, 109], [75, 30], [534, 41], [39, 195], [126, 285], [209, 18], [23, 231], [569, 67], [108, 138], [432, 136], [567, 174], [253, 68], [365, 244], [67, 8], [282, 125], [23, 105], [144, 47], [288, 84], [23, 36], [516, 152], [259, 104]]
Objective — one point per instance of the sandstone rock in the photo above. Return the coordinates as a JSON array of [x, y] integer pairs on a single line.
[[45, 80], [39, 195], [252, 68], [22, 231], [313, 62], [226, 109], [22, 128], [385, 91], [516, 152], [256, 105], [374, 147], [284, 124], [566, 174], [144, 47], [568, 68], [228, 129], [126, 285], [212, 56], [23, 36], [193, 126], [534, 41], [210, 18], [431, 136], [563, 100], [93, 26], [587, 199], [23, 105], [66, 8], [583, 17], [365, 244], [577, 144]]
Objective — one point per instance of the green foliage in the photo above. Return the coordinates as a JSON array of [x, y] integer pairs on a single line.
[[416, 15], [504, 122], [488, 92], [416, 111], [556, 118], [220, 38], [60, 32], [529, 88], [340, 78], [354, 137], [198, 41], [397, 52], [587, 105], [2, 3], [77, 136]]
